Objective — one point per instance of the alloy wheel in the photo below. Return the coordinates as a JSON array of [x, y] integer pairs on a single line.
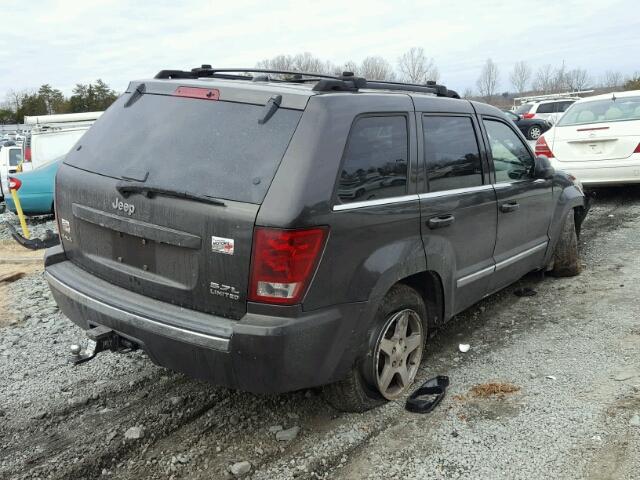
[[398, 353]]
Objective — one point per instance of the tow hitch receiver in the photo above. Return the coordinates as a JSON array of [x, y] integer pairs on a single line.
[[100, 339]]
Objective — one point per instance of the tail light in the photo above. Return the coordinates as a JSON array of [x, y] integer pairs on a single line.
[[14, 183], [528, 115], [637, 150], [542, 148], [283, 262], [27, 154]]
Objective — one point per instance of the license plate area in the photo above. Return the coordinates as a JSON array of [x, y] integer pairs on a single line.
[[134, 251]]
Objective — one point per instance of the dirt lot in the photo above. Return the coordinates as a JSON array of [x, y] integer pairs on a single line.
[[549, 389]]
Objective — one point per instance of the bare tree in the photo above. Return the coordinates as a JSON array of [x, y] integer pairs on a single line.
[[611, 79], [468, 93], [545, 79], [577, 79], [348, 66], [520, 76], [376, 68], [487, 82], [301, 62], [416, 67]]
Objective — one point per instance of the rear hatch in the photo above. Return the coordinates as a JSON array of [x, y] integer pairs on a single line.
[[598, 130], [160, 196]]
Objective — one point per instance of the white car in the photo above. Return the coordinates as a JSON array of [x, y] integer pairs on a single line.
[[597, 140], [549, 110], [10, 160]]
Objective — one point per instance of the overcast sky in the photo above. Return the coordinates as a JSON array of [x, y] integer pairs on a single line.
[[63, 42]]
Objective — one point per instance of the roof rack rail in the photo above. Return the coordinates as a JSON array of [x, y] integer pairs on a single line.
[[347, 82]]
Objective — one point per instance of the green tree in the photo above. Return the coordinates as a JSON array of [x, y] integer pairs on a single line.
[[53, 99], [91, 97], [633, 82], [7, 116]]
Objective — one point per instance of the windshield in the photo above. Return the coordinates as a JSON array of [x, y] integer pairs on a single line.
[[524, 108], [211, 148], [597, 111]]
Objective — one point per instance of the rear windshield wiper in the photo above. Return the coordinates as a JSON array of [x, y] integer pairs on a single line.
[[127, 188]]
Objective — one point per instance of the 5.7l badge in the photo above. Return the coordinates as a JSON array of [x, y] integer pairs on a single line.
[[222, 290]]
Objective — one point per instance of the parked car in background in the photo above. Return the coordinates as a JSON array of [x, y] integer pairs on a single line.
[[35, 189], [257, 265], [597, 140], [10, 160], [549, 110], [53, 136], [531, 128]]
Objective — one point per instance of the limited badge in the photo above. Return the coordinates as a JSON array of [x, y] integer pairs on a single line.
[[222, 245]]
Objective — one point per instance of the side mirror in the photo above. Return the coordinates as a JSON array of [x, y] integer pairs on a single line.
[[543, 168]]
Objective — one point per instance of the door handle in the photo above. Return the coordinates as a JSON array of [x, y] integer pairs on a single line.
[[509, 207], [440, 221]]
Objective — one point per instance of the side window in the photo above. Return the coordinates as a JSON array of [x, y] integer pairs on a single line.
[[451, 153], [511, 158], [546, 108], [562, 106], [375, 160]]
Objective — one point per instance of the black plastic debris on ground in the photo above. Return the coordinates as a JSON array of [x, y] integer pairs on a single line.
[[429, 395], [524, 292]]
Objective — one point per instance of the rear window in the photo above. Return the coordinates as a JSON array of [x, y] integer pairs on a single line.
[[597, 111], [199, 146], [524, 108], [15, 157]]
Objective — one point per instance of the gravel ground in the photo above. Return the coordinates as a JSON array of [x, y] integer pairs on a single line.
[[570, 354], [38, 225]]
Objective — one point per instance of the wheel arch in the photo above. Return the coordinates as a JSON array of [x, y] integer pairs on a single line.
[[571, 199]]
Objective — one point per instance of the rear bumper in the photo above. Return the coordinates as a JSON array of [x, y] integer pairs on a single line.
[[259, 353], [603, 172]]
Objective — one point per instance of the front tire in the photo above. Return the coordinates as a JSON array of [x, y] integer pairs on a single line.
[[566, 260], [389, 366]]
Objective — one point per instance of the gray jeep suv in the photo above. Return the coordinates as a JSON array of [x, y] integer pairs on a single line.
[[271, 231]]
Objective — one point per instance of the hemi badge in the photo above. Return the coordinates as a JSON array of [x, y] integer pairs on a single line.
[[222, 245]]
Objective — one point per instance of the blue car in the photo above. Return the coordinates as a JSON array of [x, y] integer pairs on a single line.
[[36, 189]]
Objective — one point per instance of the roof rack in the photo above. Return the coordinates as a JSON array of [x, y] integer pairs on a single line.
[[347, 82], [552, 96]]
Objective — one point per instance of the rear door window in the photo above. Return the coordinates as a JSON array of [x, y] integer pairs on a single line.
[[546, 108], [375, 159], [451, 153], [205, 147], [512, 160]]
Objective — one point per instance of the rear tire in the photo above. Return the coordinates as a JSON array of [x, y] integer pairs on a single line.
[[534, 132], [566, 261], [388, 368]]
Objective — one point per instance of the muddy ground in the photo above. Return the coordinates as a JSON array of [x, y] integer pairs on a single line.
[[570, 356]]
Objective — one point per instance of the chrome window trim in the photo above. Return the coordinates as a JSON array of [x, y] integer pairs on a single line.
[[138, 321], [376, 202], [519, 256], [455, 191]]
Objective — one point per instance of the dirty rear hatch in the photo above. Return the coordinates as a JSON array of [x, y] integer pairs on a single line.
[[160, 196]]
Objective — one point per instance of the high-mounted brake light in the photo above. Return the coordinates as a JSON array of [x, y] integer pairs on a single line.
[[14, 183], [528, 115], [542, 148], [283, 262], [27, 154], [195, 92]]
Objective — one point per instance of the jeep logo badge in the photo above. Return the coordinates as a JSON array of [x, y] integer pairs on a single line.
[[127, 208]]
